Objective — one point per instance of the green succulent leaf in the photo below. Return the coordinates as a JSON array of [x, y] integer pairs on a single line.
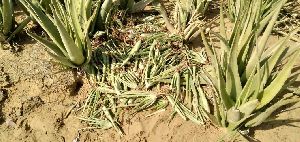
[[276, 85], [7, 15], [262, 116]]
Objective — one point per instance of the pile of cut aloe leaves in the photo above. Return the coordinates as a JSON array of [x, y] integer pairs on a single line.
[[158, 71]]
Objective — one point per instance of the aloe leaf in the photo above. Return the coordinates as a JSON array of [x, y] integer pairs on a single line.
[[1, 16], [146, 103], [88, 51], [212, 118], [19, 28], [269, 28], [224, 42], [223, 117], [262, 43], [177, 84], [88, 26], [246, 92], [276, 85], [63, 60], [189, 28], [226, 99], [104, 11], [75, 21], [191, 32], [96, 18], [233, 81], [203, 99], [74, 52], [188, 80], [164, 14], [102, 124], [270, 64], [177, 15], [88, 8], [269, 52], [7, 15], [248, 28], [249, 107], [190, 115], [176, 107], [129, 83], [220, 83], [141, 93], [45, 23], [133, 51], [217, 112], [262, 116], [208, 48], [47, 43], [111, 119], [234, 126], [256, 86], [58, 8]]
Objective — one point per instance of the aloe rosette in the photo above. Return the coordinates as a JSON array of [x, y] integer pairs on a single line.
[[70, 43], [249, 75]]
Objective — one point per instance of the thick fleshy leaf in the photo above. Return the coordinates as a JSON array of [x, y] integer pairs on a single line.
[[45, 23], [276, 85], [262, 116], [7, 12], [247, 108], [74, 52], [233, 81], [262, 43], [47, 44], [63, 60], [22, 25], [76, 22], [103, 13]]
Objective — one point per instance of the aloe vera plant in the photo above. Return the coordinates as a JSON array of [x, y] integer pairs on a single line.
[[7, 23], [185, 20], [249, 75], [68, 29], [234, 7]]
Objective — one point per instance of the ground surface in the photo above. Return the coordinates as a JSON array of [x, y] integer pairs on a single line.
[[39, 97]]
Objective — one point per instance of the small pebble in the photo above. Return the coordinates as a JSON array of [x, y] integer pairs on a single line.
[[10, 123]]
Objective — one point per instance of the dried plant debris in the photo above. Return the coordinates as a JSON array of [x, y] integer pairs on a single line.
[[150, 74], [289, 18]]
